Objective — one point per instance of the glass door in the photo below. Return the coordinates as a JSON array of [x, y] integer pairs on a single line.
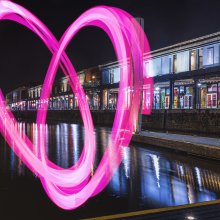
[[212, 100], [188, 101], [167, 102]]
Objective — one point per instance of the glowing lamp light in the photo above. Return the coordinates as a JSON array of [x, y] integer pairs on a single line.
[[70, 188], [190, 217]]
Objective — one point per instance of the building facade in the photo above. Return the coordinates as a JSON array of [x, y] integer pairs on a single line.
[[186, 76], [17, 99]]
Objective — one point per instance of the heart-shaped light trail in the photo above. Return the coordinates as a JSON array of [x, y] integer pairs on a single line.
[[70, 188]]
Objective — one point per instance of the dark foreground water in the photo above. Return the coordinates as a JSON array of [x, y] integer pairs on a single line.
[[147, 178]]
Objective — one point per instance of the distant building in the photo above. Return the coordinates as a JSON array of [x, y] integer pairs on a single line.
[[186, 76], [17, 99]]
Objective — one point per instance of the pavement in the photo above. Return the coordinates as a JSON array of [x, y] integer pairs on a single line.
[[184, 138], [208, 147], [198, 211]]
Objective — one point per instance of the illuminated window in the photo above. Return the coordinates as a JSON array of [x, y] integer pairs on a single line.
[[174, 64], [112, 76], [200, 58], [193, 60], [210, 55]]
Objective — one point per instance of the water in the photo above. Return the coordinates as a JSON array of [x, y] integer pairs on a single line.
[[147, 178]]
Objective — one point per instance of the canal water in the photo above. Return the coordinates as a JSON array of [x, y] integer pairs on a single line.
[[147, 178]]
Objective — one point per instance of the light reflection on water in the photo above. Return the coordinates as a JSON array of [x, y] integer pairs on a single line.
[[147, 177]]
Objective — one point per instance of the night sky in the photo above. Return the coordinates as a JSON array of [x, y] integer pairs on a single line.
[[24, 58]]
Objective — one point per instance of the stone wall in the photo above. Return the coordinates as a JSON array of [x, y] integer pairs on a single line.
[[72, 116], [189, 121]]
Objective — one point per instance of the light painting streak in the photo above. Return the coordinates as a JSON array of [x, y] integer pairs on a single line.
[[70, 188]]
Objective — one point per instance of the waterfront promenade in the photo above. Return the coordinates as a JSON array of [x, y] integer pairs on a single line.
[[202, 146], [198, 211]]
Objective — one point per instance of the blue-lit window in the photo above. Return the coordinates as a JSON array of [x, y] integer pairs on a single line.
[[182, 61], [165, 65], [210, 55], [193, 60], [200, 58], [105, 77]]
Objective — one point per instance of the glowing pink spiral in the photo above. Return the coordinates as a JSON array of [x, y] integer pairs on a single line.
[[70, 188]]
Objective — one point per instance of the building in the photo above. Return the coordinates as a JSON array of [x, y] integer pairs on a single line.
[[17, 99], [186, 76]]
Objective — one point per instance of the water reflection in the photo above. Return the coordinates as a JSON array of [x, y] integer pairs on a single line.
[[146, 177]]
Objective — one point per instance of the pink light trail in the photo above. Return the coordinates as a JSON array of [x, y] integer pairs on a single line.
[[70, 188]]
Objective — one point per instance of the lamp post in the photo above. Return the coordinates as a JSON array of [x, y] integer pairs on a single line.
[[199, 86]]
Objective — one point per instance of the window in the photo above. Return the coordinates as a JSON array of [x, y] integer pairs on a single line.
[[182, 61], [174, 64], [210, 55], [105, 99], [105, 77], [162, 98], [82, 78], [200, 58], [153, 67], [116, 75], [212, 88], [212, 100], [170, 65], [176, 98], [193, 60], [147, 69], [112, 76], [165, 65], [39, 92]]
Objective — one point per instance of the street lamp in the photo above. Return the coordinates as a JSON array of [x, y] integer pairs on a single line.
[[199, 85]]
